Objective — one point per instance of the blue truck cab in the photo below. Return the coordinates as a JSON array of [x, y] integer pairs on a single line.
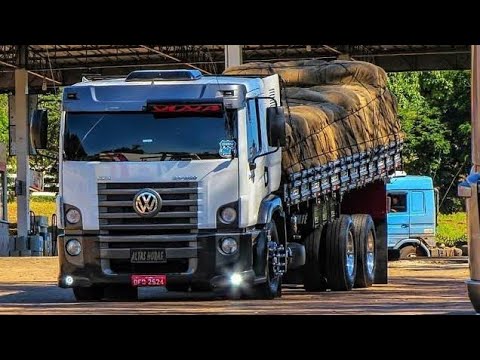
[[411, 220]]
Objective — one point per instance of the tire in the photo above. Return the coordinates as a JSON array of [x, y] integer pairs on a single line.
[[365, 238], [340, 254], [272, 288], [93, 293], [409, 252], [313, 274]]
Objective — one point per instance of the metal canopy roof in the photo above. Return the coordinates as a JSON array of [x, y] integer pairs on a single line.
[[66, 64]]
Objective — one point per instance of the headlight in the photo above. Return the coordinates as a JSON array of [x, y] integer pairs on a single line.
[[73, 247], [229, 246], [228, 215], [73, 216]]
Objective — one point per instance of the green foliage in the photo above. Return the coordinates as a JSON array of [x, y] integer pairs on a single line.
[[46, 160], [4, 119], [434, 108], [452, 229], [43, 198]]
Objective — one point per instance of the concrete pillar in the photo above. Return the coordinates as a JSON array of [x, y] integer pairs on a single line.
[[473, 284], [233, 55], [472, 204], [22, 151]]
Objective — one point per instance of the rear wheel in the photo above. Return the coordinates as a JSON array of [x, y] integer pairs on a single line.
[[340, 254], [272, 287], [364, 231], [314, 277], [93, 293]]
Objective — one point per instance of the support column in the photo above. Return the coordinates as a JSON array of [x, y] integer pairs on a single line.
[[472, 203], [472, 197], [22, 151], [233, 55]]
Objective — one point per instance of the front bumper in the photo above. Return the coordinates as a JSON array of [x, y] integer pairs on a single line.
[[196, 261]]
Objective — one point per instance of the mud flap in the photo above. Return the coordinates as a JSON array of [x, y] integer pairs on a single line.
[[381, 253]]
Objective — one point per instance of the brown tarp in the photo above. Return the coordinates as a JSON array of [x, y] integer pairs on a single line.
[[336, 109]]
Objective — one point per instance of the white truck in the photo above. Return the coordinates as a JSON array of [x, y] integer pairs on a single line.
[[171, 178]]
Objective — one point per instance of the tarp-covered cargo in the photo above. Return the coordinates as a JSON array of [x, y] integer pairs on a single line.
[[336, 109]]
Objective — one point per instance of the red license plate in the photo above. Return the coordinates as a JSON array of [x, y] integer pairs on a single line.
[[148, 280]]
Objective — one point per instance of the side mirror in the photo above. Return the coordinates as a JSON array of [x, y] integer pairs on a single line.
[[276, 126], [38, 130]]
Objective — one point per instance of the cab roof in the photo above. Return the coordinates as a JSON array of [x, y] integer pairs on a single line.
[[410, 182]]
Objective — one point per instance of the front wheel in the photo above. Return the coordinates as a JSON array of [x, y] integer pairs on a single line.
[[272, 287], [409, 252]]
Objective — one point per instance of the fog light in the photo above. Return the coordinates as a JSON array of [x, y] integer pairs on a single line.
[[73, 247], [73, 216], [68, 280], [229, 246], [236, 279]]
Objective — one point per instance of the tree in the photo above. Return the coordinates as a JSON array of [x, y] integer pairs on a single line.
[[4, 119], [434, 108], [46, 160]]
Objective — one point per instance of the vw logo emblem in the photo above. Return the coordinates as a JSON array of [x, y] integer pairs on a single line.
[[147, 202]]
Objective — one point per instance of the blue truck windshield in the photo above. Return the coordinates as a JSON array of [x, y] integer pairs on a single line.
[[144, 136]]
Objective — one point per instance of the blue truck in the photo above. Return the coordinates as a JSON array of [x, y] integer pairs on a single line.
[[412, 214]]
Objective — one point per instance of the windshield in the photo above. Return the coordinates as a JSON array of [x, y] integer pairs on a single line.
[[144, 136]]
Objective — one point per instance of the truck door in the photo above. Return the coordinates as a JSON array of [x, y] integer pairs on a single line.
[[257, 178], [422, 214], [398, 218]]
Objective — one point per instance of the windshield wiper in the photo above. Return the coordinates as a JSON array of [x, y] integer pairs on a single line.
[[176, 156], [88, 133]]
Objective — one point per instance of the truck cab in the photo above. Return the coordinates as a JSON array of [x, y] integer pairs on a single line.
[[164, 180], [411, 220]]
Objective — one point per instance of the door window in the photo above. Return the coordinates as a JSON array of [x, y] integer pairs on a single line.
[[253, 132], [398, 203], [417, 202]]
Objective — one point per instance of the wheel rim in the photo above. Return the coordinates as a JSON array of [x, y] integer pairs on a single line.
[[350, 256], [273, 278], [370, 252]]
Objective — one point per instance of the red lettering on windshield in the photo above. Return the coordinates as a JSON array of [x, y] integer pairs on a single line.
[[188, 108]]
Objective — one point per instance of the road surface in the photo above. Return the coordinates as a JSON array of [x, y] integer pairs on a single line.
[[27, 286]]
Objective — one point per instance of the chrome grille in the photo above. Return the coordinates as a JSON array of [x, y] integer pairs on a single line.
[[178, 214]]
